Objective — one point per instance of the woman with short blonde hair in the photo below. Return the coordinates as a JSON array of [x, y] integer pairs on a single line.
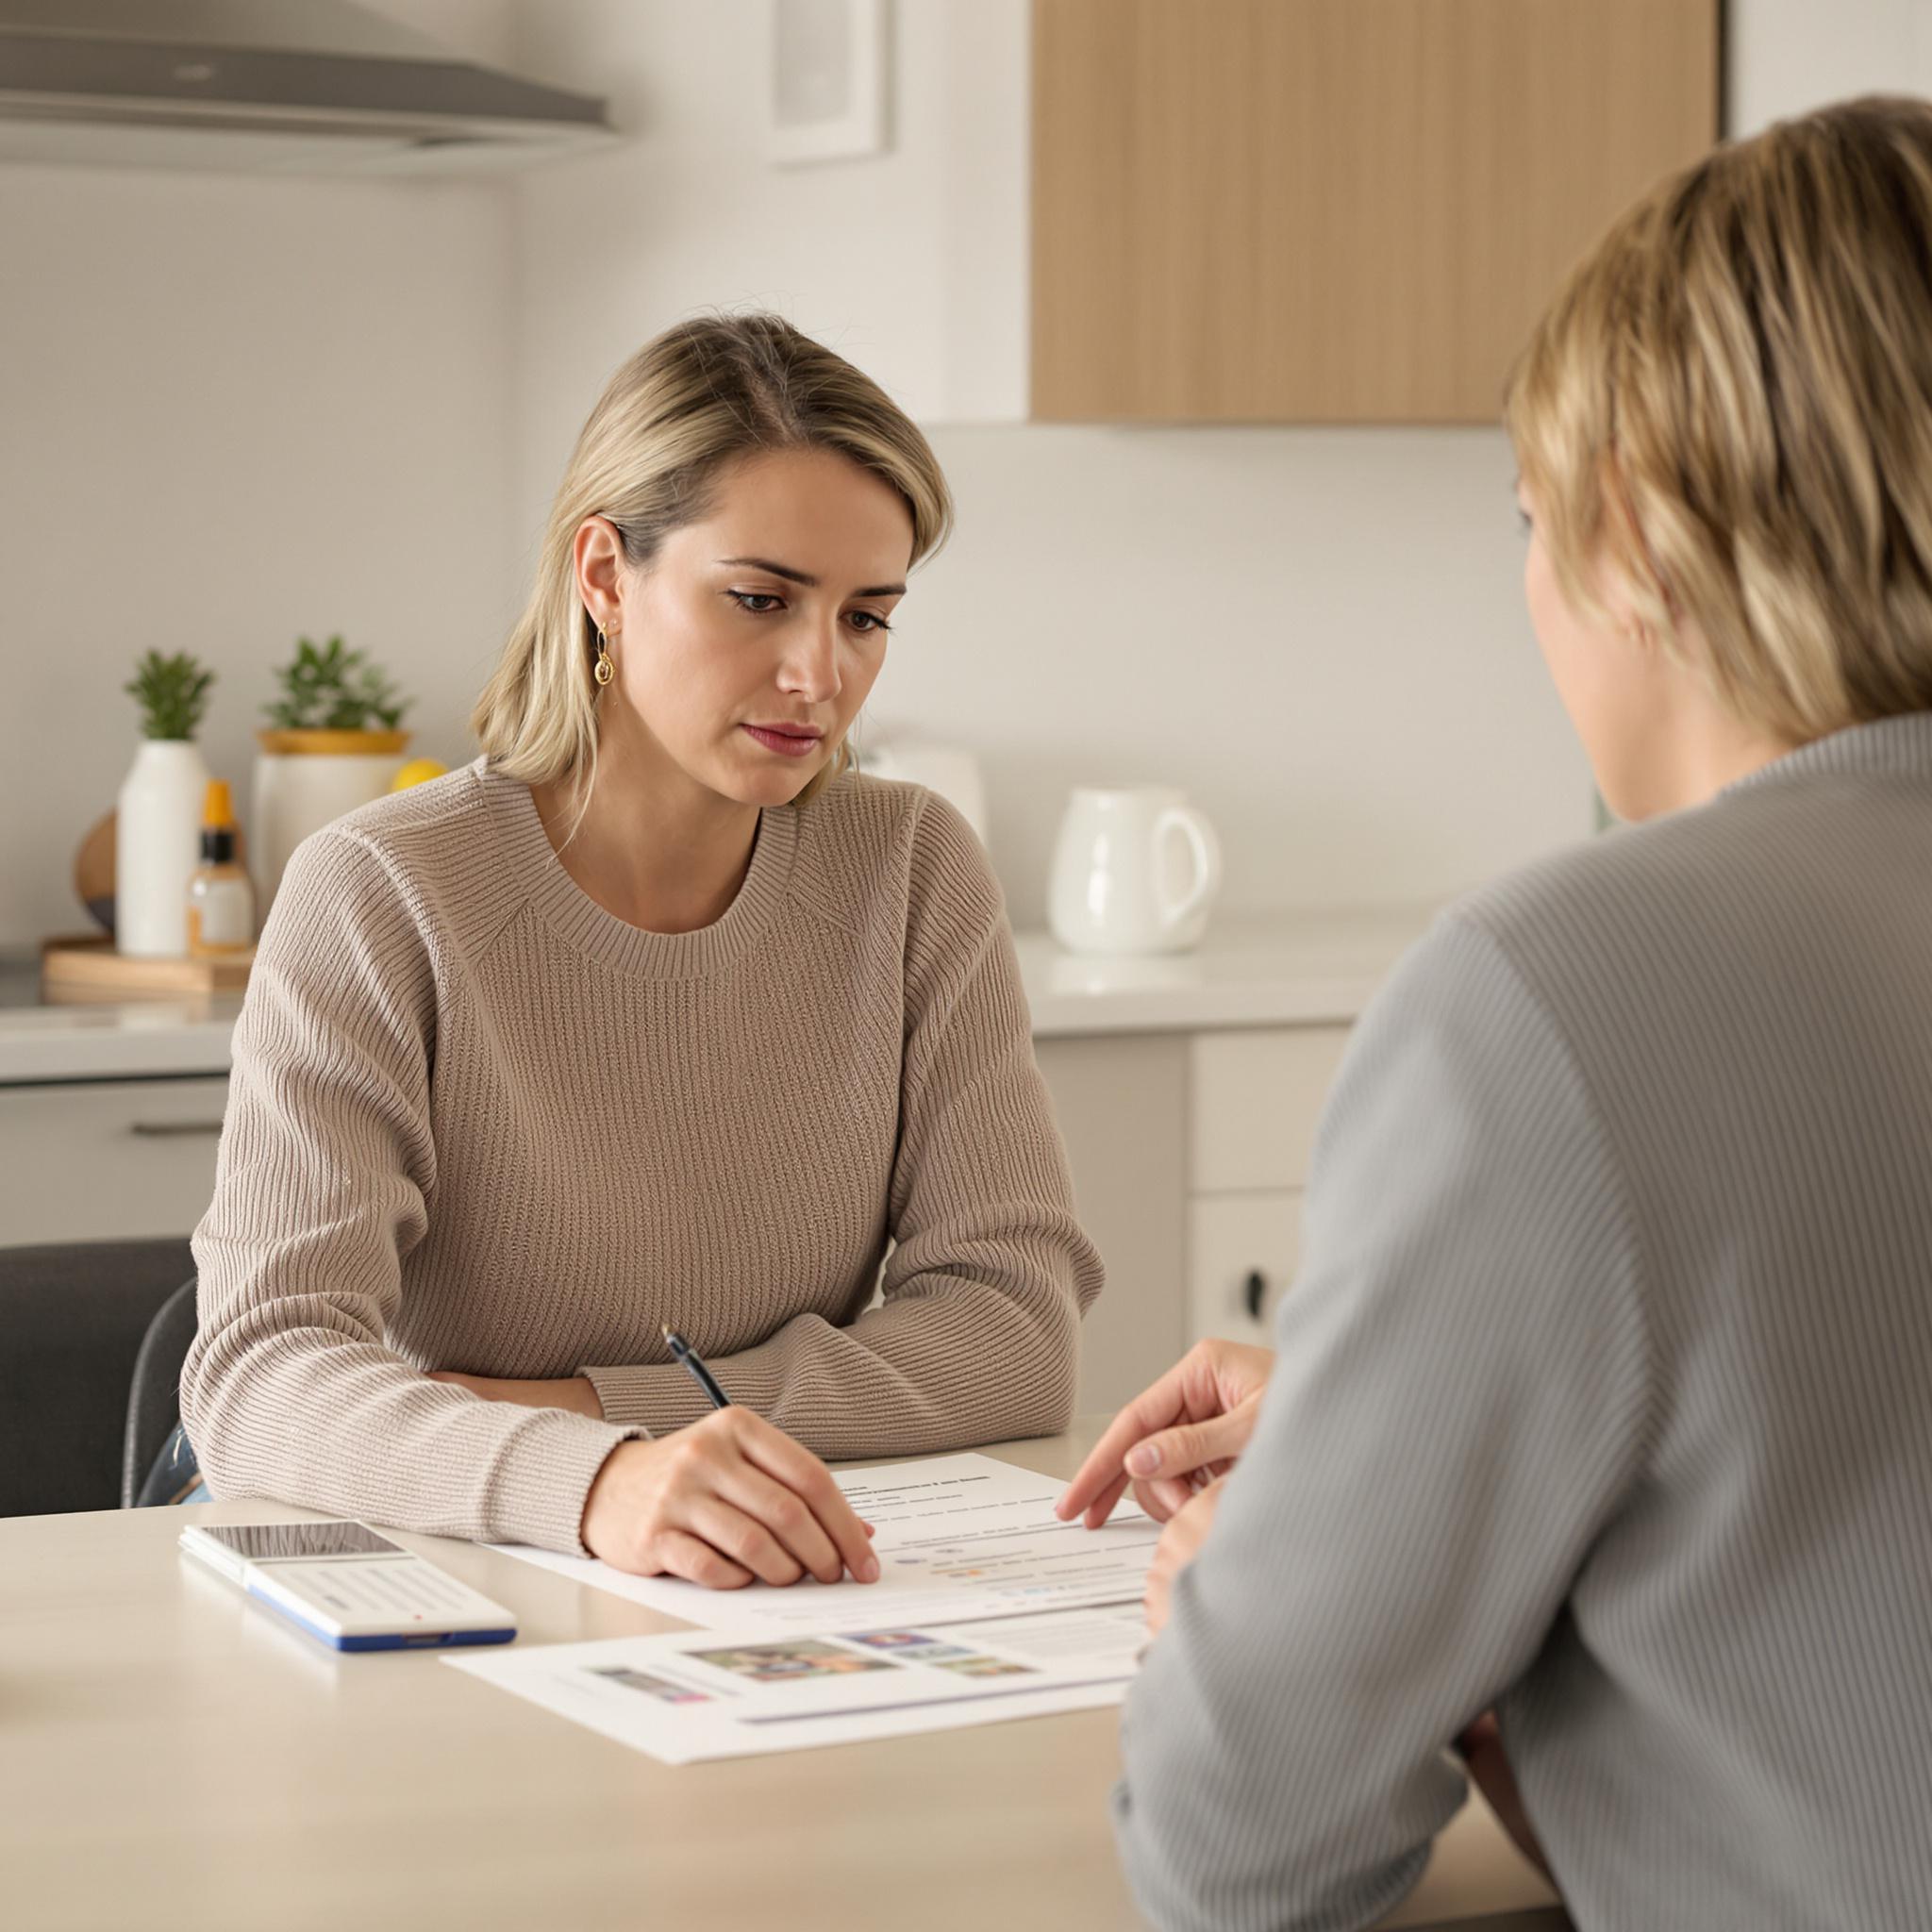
[[658, 1018], [1720, 420], [1600, 1400]]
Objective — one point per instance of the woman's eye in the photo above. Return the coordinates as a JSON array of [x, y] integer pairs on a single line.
[[872, 621], [757, 602], [1523, 518]]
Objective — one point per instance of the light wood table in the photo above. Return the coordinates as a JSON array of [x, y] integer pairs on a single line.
[[172, 1754]]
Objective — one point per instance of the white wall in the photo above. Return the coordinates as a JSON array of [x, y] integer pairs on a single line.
[[1787, 55], [1318, 632], [1319, 635], [907, 262], [233, 410]]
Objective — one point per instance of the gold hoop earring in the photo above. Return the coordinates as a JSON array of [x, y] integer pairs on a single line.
[[603, 670]]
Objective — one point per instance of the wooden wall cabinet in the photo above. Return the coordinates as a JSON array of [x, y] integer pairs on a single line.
[[1333, 210]]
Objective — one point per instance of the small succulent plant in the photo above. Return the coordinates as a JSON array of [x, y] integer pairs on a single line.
[[172, 694], [325, 688]]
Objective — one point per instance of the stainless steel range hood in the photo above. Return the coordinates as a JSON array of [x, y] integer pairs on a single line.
[[298, 86]]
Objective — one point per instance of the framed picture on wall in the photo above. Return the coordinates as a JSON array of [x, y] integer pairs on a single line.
[[828, 79]]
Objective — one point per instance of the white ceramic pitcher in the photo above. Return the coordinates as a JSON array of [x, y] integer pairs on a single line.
[[1113, 888]]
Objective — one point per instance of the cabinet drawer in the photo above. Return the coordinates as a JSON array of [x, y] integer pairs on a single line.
[[1254, 1100], [108, 1159], [1242, 1251]]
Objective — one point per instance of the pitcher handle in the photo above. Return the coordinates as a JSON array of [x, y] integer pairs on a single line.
[[1206, 849]]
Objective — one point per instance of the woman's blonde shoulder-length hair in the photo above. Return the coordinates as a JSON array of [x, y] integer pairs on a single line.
[[691, 402], [1728, 408]]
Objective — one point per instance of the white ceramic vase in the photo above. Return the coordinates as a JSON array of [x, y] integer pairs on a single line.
[[1134, 871], [305, 780], [156, 847]]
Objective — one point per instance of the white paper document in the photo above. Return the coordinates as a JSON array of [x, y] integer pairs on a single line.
[[956, 1535], [694, 1694]]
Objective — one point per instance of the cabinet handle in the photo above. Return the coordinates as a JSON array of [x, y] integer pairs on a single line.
[[1253, 1292], [173, 1130]]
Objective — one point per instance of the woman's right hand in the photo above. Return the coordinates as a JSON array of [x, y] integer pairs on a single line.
[[1190, 1424], [727, 1499]]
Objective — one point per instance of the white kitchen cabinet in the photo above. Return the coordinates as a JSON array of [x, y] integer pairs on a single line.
[[1242, 1253], [1187, 1149], [1189, 1152], [1255, 1095], [108, 1160], [1187, 1087], [1122, 1105]]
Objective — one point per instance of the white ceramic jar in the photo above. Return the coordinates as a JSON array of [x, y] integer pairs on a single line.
[[1134, 871], [306, 779]]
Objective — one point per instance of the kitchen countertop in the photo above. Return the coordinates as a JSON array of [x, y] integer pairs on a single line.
[[1316, 967], [117, 1041]]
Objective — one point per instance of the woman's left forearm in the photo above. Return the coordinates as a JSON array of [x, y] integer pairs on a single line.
[[952, 1366], [573, 1392]]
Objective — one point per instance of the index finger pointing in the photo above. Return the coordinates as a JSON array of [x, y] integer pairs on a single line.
[[1101, 1505], [1153, 1408]]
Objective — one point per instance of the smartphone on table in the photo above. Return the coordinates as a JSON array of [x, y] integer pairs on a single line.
[[348, 1585]]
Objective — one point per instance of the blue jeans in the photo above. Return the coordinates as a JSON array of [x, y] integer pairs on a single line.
[[175, 1476]]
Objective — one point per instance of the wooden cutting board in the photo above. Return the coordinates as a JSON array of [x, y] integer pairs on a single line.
[[87, 967]]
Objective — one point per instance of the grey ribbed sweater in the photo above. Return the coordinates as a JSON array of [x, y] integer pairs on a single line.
[[478, 1122], [1605, 1397]]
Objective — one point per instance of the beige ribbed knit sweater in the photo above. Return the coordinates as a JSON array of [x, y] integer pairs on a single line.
[[478, 1122]]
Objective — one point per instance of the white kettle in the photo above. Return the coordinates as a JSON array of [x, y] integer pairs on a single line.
[[1116, 886]]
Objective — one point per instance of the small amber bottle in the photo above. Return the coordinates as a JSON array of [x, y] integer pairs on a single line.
[[221, 901]]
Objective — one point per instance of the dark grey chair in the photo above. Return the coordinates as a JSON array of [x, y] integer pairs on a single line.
[[154, 1394], [73, 1318]]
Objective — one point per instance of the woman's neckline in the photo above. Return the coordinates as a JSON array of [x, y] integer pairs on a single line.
[[593, 929]]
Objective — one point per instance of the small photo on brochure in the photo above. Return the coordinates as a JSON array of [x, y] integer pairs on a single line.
[[660, 1687], [987, 1667], [917, 1647], [776, 1663]]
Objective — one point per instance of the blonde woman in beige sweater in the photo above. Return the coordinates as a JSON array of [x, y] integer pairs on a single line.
[[657, 1014]]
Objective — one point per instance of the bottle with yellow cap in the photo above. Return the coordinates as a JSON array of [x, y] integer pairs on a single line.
[[221, 901]]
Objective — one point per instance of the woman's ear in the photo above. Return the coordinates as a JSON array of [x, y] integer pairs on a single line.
[[598, 552]]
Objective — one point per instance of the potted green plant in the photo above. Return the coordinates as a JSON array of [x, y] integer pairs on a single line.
[[331, 742], [158, 811]]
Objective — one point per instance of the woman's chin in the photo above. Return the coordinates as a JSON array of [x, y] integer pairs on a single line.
[[779, 786]]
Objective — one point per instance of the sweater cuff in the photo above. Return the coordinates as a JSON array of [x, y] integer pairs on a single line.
[[537, 1489], [653, 1396]]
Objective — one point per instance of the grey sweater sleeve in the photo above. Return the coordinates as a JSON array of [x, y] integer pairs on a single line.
[[1459, 1403]]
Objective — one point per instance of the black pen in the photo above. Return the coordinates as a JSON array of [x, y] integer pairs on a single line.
[[682, 1350]]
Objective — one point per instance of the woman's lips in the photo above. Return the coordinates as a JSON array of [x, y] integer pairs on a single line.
[[786, 743]]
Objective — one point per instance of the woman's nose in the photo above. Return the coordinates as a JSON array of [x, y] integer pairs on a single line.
[[811, 665]]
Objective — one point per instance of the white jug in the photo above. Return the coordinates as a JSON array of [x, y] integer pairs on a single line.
[[1114, 887]]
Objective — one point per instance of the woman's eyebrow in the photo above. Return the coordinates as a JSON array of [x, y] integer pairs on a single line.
[[806, 577]]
